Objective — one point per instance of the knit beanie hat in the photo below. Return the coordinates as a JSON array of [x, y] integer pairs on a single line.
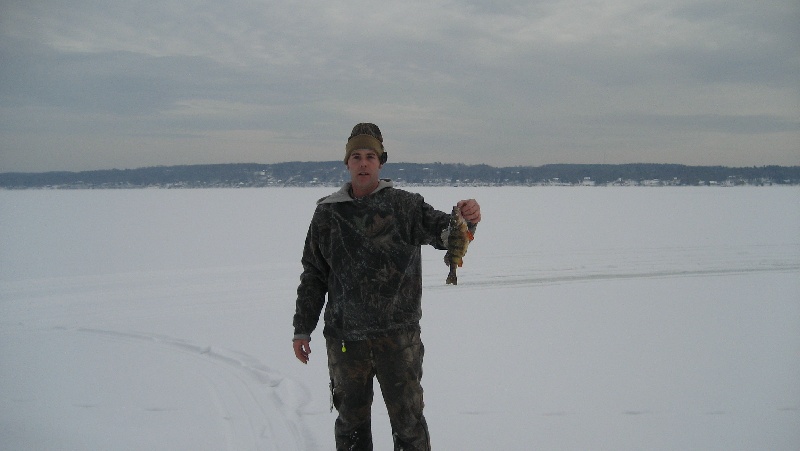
[[365, 136]]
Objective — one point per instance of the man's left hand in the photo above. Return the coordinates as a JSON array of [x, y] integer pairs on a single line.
[[470, 210]]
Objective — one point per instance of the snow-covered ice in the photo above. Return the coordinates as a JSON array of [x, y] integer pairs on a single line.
[[584, 319]]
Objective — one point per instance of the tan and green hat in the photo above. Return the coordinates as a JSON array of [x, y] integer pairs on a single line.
[[365, 136]]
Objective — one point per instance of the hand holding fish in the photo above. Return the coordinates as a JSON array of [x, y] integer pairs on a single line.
[[470, 210], [466, 214]]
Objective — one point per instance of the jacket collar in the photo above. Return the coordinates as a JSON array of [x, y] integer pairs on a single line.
[[343, 195]]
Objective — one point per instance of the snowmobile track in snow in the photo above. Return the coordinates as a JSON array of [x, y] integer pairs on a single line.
[[264, 415]]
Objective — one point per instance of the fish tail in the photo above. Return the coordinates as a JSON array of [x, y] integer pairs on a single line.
[[451, 278]]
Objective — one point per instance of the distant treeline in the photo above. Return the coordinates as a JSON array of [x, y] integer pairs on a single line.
[[334, 173]]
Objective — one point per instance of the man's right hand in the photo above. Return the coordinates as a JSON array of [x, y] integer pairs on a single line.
[[302, 349]]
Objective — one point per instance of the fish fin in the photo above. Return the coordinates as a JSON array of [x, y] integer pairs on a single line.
[[470, 235]]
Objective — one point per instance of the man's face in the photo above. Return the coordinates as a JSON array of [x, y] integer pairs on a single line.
[[365, 167]]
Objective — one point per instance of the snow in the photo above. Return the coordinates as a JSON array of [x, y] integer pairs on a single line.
[[584, 318]]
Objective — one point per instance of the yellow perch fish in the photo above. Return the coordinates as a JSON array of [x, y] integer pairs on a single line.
[[457, 242]]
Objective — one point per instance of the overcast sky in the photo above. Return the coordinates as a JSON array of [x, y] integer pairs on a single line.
[[98, 84]]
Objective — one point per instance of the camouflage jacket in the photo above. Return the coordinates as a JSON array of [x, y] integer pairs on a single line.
[[365, 255]]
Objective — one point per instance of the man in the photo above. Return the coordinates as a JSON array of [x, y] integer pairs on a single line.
[[363, 251]]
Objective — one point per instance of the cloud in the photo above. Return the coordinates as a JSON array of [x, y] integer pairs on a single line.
[[522, 82]]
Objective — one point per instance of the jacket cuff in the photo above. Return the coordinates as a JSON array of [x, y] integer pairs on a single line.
[[301, 337]]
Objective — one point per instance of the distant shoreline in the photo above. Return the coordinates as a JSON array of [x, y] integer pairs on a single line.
[[333, 173]]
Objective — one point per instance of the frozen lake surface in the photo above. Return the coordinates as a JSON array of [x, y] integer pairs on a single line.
[[584, 318]]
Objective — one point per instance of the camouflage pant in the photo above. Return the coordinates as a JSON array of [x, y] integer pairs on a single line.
[[397, 363]]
